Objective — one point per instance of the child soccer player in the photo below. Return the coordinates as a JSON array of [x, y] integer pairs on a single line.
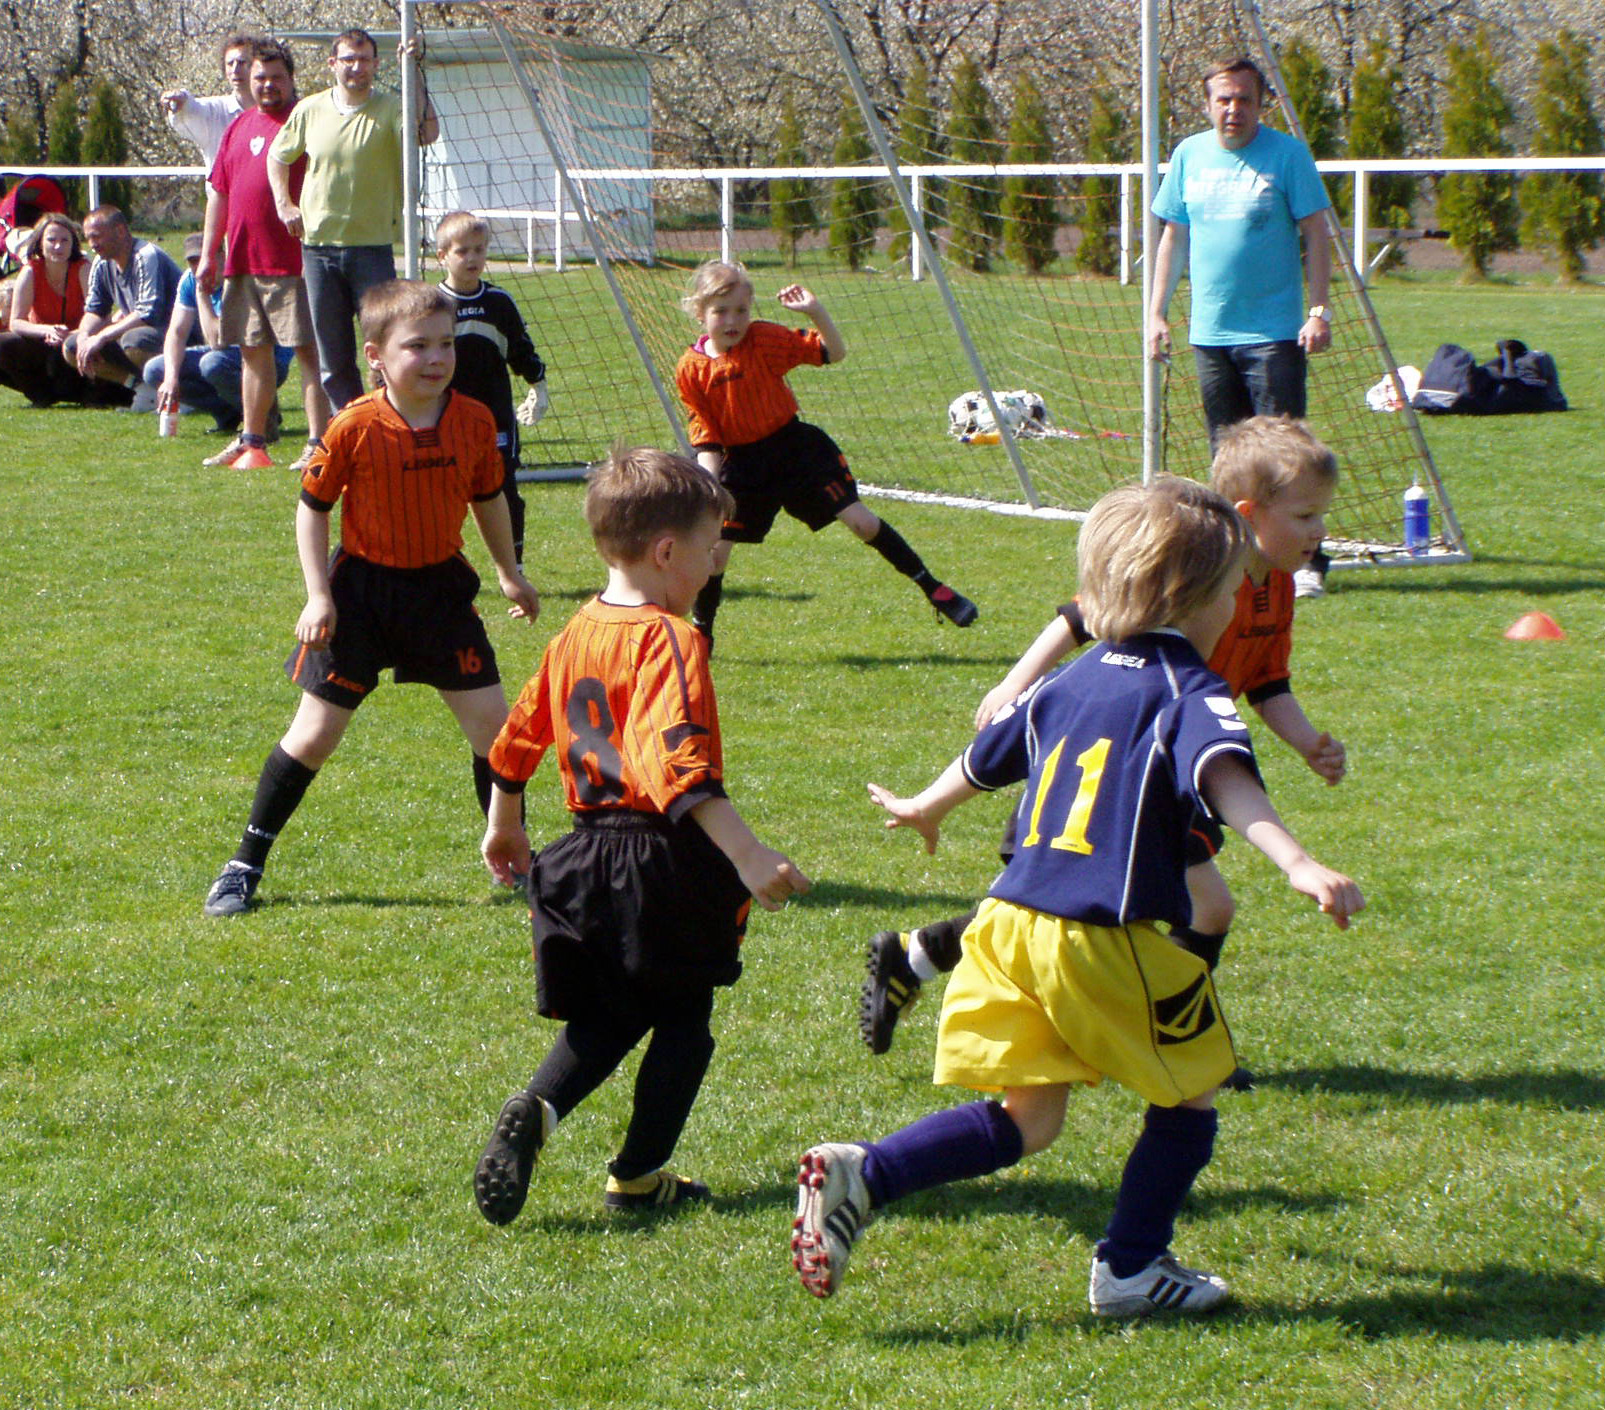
[[1067, 976], [491, 338], [639, 912], [411, 460], [1281, 480], [745, 429]]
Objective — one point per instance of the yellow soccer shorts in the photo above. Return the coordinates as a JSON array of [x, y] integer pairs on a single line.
[[1038, 999]]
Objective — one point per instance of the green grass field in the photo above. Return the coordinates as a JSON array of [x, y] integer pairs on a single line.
[[235, 1157]]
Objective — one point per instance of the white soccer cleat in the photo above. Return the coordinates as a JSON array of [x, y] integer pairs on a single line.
[[832, 1210], [1163, 1286]]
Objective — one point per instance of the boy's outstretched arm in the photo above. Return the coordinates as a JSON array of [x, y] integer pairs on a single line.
[[804, 301], [1053, 643], [496, 528], [1234, 793], [506, 845], [770, 876], [1287, 721], [924, 812]]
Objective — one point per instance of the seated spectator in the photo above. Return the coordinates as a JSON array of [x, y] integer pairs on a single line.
[[196, 370], [47, 302], [131, 287]]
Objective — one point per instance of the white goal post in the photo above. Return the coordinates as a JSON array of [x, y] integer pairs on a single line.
[[566, 142]]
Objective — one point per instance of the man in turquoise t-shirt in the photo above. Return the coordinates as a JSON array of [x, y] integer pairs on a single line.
[[1235, 203], [350, 207]]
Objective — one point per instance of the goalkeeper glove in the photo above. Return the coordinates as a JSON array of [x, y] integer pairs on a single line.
[[533, 407]]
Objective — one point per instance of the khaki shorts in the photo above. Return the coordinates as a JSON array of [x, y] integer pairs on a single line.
[[1037, 999], [262, 309]]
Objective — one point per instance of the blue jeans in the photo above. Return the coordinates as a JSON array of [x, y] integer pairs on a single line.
[[337, 276], [1249, 379], [209, 380]]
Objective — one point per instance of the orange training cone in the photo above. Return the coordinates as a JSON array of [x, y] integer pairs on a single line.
[[1534, 626]]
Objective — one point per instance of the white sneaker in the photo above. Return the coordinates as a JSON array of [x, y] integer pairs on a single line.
[[832, 1210], [1309, 582], [227, 454], [1163, 1286], [301, 461]]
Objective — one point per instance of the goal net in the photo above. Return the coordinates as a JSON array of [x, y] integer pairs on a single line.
[[972, 236]]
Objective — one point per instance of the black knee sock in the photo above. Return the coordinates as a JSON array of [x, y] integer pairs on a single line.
[[707, 603], [941, 941], [666, 1087], [279, 790], [1176, 1143], [894, 548], [1196, 942]]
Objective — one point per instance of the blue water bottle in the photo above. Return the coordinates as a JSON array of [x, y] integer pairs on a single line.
[[1417, 521]]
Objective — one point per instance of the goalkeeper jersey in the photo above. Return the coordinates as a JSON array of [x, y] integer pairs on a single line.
[[741, 396]]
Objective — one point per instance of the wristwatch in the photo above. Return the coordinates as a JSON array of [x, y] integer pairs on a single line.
[[1322, 312]]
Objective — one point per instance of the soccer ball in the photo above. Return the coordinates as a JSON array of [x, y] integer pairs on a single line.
[[1025, 413]]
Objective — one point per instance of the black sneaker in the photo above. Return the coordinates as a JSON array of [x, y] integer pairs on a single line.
[[658, 1190], [501, 1179], [957, 608], [889, 988], [233, 892]]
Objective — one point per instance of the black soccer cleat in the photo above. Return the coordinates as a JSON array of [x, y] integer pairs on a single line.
[[501, 1179], [662, 1189], [234, 891], [890, 986], [957, 608]]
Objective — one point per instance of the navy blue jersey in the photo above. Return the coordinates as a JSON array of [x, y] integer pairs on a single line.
[[491, 338], [1113, 747]]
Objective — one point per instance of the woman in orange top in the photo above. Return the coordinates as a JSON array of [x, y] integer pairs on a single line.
[[47, 303]]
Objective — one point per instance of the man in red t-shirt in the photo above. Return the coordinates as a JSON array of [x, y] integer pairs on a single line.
[[264, 298]]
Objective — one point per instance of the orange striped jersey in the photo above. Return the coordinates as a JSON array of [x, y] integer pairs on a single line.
[[625, 695], [742, 396], [1254, 654], [406, 491]]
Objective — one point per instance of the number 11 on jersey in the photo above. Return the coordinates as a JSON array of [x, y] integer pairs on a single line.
[[1090, 761]]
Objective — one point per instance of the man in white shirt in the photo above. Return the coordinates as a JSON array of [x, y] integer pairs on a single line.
[[204, 120]]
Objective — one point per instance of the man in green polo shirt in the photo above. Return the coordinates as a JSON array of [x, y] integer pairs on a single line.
[[350, 208]]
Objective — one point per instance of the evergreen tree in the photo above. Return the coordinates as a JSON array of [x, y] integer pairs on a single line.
[[106, 143], [972, 203], [854, 203], [19, 143], [1108, 140], [1563, 210], [66, 140], [1309, 93], [1478, 208], [1030, 213], [919, 143], [1376, 129], [791, 202]]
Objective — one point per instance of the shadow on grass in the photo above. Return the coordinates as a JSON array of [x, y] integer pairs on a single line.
[[932, 904], [501, 896], [1378, 580], [927, 658], [1567, 1089], [1491, 1303]]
